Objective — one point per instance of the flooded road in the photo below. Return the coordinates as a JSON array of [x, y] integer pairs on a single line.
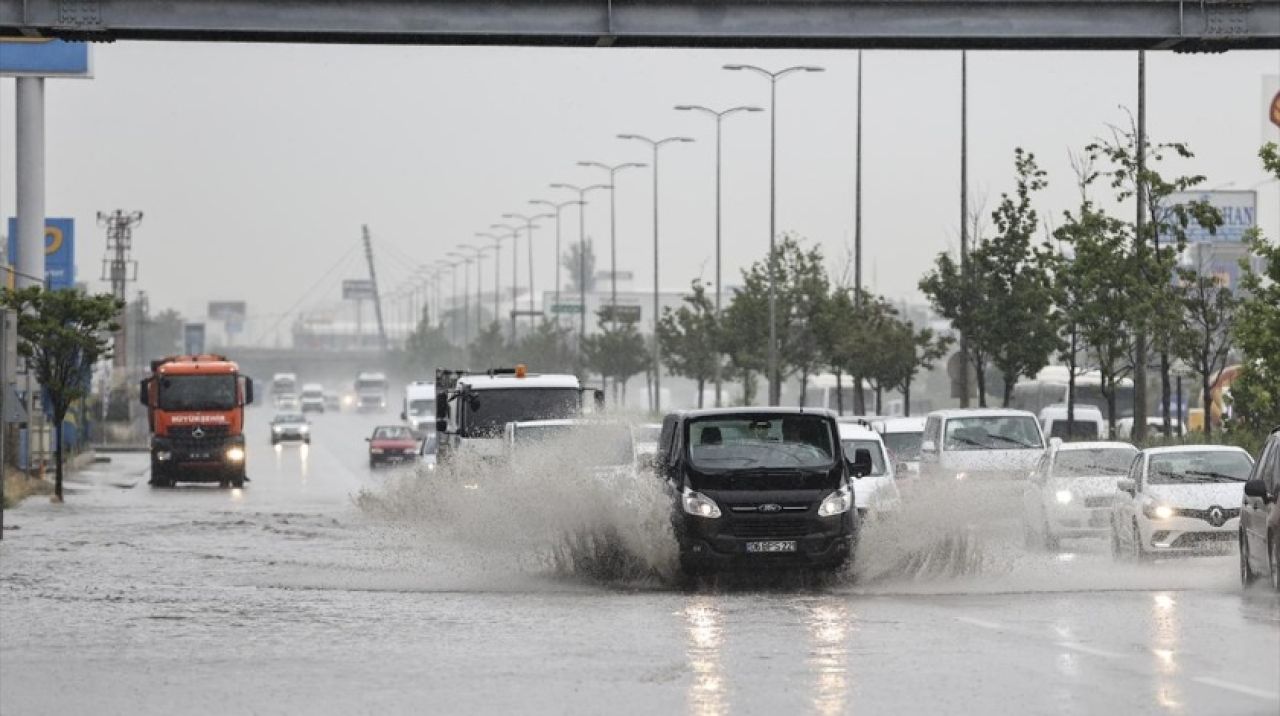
[[288, 597]]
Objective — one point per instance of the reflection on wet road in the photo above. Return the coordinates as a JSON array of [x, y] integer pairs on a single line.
[[286, 598]]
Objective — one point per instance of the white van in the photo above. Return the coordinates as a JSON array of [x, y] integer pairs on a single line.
[[419, 408], [1088, 423], [980, 445], [875, 492]]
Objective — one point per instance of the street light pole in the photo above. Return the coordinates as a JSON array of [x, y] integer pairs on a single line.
[[514, 233], [582, 252], [613, 228], [466, 296], [497, 261], [530, 224], [775, 387], [719, 116], [479, 252], [557, 207], [655, 145]]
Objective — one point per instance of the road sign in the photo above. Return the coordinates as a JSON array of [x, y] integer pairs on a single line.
[[42, 57], [59, 251], [619, 275], [566, 308], [620, 314], [193, 339], [357, 289], [228, 311]]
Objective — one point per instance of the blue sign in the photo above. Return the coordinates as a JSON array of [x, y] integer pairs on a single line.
[[59, 251], [42, 57]]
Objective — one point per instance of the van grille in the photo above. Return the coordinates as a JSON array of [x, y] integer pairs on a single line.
[[777, 527]]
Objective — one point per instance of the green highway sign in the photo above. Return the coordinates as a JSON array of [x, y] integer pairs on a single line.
[[566, 308]]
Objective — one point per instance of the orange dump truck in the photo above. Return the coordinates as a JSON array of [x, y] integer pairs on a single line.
[[195, 410]]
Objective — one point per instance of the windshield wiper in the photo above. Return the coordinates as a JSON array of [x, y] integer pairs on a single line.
[[1218, 476], [1015, 441]]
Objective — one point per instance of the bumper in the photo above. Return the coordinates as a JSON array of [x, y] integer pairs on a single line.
[[392, 458], [1185, 535], [1079, 521], [707, 546], [202, 461], [290, 438]]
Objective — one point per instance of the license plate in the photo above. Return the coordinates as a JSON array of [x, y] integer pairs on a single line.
[[771, 547], [199, 456]]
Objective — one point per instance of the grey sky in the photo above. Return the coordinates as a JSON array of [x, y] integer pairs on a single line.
[[257, 164]]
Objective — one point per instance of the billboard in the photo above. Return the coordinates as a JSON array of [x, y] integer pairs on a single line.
[[357, 289], [43, 57], [59, 251], [1222, 262], [228, 310], [1239, 211]]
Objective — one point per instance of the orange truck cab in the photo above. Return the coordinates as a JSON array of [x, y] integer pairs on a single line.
[[195, 411]]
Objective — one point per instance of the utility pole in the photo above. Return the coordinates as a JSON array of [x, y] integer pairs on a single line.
[[1140, 247], [373, 280], [857, 200], [964, 220], [140, 325], [120, 269]]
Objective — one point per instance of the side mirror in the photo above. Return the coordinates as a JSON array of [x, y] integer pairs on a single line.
[[1126, 485], [248, 390], [368, 440], [901, 469], [861, 464], [442, 425], [403, 416], [1256, 488], [1055, 443], [142, 392], [928, 446]]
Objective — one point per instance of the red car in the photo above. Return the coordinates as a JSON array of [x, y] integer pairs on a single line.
[[391, 444]]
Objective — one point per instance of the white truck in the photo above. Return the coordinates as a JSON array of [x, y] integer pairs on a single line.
[[371, 392], [473, 408], [419, 409], [284, 384]]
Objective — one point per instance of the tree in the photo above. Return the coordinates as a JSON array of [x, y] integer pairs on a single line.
[[911, 351], [62, 334], [1209, 311], [689, 337], [1255, 394], [547, 348], [490, 348], [958, 299], [617, 352], [580, 258], [428, 348]]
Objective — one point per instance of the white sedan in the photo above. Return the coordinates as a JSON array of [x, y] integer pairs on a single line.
[[1071, 490], [1180, 500]]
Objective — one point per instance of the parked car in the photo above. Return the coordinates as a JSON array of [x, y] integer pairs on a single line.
[[1070, 492], [875, 493], [902, 437], [1260, 517], [980, 445], [759, 487], [1182, 499], [290, 427], [391, 444]]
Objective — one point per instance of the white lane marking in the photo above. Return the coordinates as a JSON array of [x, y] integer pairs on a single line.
[[980, 623], [1092, 651], [1238, 688]]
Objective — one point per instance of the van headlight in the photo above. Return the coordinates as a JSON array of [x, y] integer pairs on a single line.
[[1063, 497], [235, 454], [837, 503], [699, 505]]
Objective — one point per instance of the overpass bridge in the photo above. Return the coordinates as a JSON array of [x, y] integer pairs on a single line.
[[336, 369], [1184, 25]]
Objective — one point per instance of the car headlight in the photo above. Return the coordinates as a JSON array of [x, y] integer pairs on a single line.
[[376, 451], [1158, 512], [699, 505], [277, 429], [961, 475], [304, 428], [431, 466], [235, 454], [836, 503], [1063, 496], [410, 451]]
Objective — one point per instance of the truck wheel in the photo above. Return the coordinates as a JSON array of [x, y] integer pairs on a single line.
[[238, 481]]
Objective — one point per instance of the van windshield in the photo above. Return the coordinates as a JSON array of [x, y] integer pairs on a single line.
[[761, 442], [993, 432]]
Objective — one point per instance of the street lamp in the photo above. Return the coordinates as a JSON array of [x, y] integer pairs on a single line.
[[719, 116], [453, 321], [513, 233], [479, 252], [529, 225], [497, 260], [466, 295], [582, 253], [775, 387], [613, 225], [557, 206], [655, 145]]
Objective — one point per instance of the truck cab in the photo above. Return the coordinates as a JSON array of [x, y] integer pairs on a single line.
[[419, 409], [371, 392], [473, 409], [195, 412]]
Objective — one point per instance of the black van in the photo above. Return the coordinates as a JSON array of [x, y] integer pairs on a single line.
[[759, 487]]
